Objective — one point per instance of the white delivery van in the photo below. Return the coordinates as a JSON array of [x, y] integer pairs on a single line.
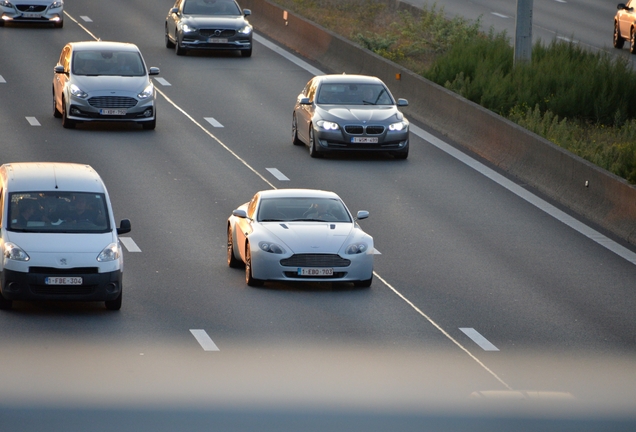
[[58, 235]]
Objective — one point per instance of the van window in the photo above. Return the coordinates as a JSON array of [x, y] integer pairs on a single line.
[[58, 212]]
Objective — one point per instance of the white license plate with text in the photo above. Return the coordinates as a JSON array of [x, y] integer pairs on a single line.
[[56, 280], [315, 271], [364, 140], [112, 112], [217, 40], [31, 15]]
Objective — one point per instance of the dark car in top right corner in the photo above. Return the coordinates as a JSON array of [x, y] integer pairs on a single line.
[[625, 25]]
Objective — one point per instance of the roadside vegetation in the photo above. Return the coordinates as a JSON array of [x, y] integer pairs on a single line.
[[580, 100]]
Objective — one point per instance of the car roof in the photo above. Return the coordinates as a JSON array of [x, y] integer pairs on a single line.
[[297, 193], [345, 78], [52, 176], [103, 45]]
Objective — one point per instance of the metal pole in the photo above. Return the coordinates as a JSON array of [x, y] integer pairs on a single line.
[[523, 32]]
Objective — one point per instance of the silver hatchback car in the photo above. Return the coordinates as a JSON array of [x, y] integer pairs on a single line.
[[103, 81]]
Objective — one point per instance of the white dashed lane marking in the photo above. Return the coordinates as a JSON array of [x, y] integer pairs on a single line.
[[2, 80], [130, 244], [163, 82], [479, 339], [276, 173], [86, 19], [213, 122], [500, 15], [33, 121], [204, 340]]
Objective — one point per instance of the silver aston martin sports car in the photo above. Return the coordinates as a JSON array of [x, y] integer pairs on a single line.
[[349, 113], [299, 235]]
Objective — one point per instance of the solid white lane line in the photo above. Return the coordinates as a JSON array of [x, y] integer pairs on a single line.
[[163, 82], [213, 122], [81, 26], [204, 340], [528, 196], [499, 15], [130, 244], [33, 121], [276, 173], [85, 18], [292, 58], [2, 80], [479, 339]]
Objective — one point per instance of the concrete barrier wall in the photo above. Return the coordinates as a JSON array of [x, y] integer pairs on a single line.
[[598, 195]]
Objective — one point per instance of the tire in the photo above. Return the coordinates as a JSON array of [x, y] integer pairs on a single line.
[[618, 40], [5, 304], [246, 53], [114, 305], [313, 152], [295, 139], [363, 283], [249, 279], [178, 49], [66, 122], [231, 259], [401, 155], [169, 43], [56, 112], [632, 40]]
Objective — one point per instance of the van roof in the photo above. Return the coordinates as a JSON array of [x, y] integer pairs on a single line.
[[52, 176]]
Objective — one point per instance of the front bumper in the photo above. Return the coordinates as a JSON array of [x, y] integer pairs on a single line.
[[81, 110], [37, 15], [268, 266], [16, 285], [193, 42], [340, 140]]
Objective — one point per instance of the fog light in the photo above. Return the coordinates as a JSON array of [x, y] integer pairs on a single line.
[[75, 111], [148, 112]]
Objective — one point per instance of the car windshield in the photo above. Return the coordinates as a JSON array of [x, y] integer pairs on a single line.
[[354, 94], [211, 7], [302, 209], [102, 62], [58, 212]]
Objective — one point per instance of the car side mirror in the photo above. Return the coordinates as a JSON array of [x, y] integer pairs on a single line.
[[362, 214], [304, 101], [240, 213], [174, 11], [402, 102], [153, 71], [124, 227], [247, 12], [58, 69]]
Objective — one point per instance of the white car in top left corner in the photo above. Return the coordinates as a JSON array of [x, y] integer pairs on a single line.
[[32, 11], [299, 235]]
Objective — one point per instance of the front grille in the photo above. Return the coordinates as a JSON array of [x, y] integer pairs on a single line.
[[217, 33], [63, 271], [375, 130], [112, 102], [65, 290], [30, 8], [354, 130], [315, 260]]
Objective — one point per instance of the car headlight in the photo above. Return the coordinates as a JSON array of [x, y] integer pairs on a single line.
[[327, 125], [14, 252], [356, 248], [271, 247], [110, 253], [187, 28], [56, 4], [398, 126], [6, 3], [148, 91], [78, 92], [245, 30]]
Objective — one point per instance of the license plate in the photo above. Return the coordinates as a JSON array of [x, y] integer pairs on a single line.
[[55, 280], [364, 140], [217, 40], [313, 271], [112, 112], [31, 15]]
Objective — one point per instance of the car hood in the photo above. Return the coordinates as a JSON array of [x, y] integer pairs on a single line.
[[310, 237], [108, 84], [206, 21], [60, 242], [363, 113]]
